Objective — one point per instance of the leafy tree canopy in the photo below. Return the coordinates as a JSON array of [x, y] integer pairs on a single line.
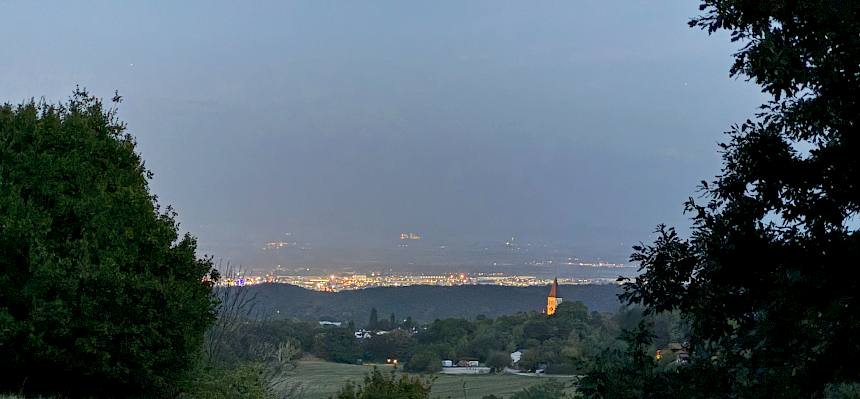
[[762, 278], [424, 362], [99, 296], [337, 344], [498, 360]]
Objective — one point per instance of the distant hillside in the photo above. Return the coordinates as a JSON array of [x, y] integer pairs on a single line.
[[423, 303]]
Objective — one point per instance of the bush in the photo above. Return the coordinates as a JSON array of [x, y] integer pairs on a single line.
[[548, 390], [387, 386], [562, 367], [246, 381]]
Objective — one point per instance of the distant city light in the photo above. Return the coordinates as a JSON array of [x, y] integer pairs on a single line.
[[353, 281]]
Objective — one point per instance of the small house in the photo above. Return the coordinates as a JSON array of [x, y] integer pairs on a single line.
[[516, 356]]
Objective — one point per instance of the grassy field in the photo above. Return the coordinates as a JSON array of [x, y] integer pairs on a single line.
[[323, 379]]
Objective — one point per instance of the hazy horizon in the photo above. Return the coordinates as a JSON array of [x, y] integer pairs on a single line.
[[576, 126]]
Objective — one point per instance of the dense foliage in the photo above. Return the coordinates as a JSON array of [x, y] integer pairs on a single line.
[[99, 296], [378, 385], [245, 381], [572, 341], [424, 361], [762, 280]]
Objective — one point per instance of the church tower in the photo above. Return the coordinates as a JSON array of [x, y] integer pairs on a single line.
[[553, 300]]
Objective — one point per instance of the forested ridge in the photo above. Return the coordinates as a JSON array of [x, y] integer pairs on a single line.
[[422, 303]]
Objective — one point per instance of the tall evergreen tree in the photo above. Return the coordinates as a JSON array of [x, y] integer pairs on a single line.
[[373, 323], [99, 295], [763, 278]]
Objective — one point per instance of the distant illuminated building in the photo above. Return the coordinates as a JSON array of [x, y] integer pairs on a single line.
[[553, 300], [276, 245]]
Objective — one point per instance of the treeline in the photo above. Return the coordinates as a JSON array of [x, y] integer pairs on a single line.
[[569, 342]]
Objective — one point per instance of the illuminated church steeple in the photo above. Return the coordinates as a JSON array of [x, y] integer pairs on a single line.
[[553, 300]]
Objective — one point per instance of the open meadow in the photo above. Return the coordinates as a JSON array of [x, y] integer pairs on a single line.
[[322, 379]]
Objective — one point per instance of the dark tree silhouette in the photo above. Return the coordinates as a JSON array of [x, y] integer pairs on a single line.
[[765, 277], [373, 323]]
